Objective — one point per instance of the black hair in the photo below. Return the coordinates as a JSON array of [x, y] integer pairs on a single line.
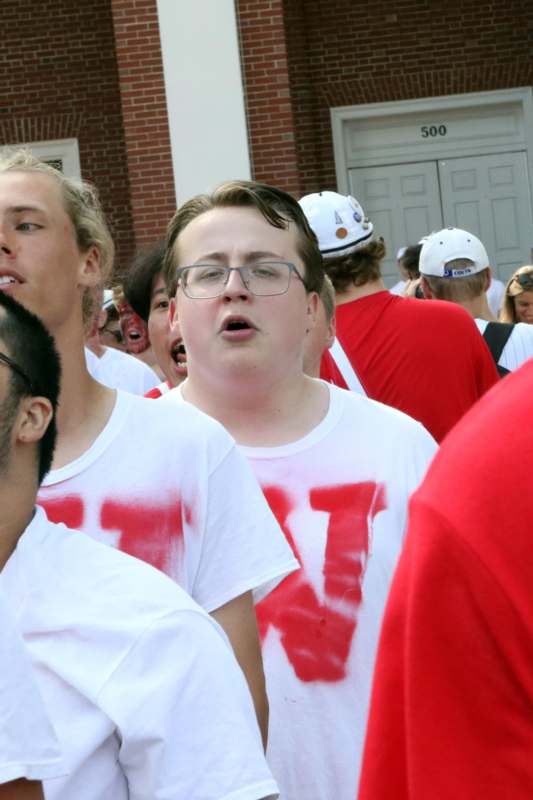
[[33, 349], [139, 281]]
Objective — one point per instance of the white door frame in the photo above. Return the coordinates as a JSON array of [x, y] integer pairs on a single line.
[[424, 151]]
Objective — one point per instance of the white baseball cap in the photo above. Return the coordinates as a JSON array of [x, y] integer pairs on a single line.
[[338, 221], [448, 245]]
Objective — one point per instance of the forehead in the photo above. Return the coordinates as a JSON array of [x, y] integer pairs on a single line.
[[236, 230], [25, 188], [158, 284], [525, 297]]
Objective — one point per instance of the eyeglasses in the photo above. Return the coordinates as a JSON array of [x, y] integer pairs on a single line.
[[264, 279], [525, 280], [15, 367]]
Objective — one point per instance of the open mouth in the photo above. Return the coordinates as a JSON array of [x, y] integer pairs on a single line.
[[179, 357], [8, 280], [178, 352], [237, 324]]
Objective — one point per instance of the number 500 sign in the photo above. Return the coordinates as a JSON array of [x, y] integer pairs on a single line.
[[433, 130]]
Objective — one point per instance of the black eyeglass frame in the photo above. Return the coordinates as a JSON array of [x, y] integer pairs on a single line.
[[292, 268], [20, 372]]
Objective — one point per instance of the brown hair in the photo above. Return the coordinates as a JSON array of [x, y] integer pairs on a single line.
[[512, 290], [277, 207], [458, 290], [357, 268], [327, 295], [82, 205]]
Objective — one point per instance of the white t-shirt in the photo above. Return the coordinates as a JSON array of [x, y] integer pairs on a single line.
[[168, 485], [28, 746], [398, 287], [120, 370], [519, 345], [141, 685], [495, 294], [340, 495]]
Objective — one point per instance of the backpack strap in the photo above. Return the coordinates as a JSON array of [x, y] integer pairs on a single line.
[[497, 335], [345, 368]]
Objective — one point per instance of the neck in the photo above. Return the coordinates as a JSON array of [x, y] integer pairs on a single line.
[[356, 292], [17, 500], [260, 413], [84, 404], [479, 308]]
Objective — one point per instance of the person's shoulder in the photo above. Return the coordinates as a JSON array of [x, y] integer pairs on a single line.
[[181, 422], [490, 446], [436, 310], [523, 333], [97, 578], [368, 414], [127, 361]]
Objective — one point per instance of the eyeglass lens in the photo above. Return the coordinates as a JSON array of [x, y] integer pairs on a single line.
[[266, 278]]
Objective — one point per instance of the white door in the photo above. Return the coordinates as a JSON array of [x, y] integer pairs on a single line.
[[489, 196], [403, 202]]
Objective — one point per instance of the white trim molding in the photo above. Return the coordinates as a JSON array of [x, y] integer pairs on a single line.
[[399, 132], [65, 150]]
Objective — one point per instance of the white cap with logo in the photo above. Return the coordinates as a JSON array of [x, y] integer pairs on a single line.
[[452, 244], [338, 222]]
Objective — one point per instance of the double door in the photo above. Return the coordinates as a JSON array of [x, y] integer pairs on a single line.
[[486, 195]]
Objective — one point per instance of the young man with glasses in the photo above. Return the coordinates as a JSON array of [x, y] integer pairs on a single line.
[[454, 266], [127, 472], [141, 686], [336, 468]]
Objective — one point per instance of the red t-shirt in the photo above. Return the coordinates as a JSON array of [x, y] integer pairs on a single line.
[[426, 358], [452, 705]]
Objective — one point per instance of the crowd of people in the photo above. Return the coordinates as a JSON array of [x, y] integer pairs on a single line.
[[274, 581]]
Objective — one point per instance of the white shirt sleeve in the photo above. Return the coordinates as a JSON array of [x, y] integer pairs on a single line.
[[28, 746], [186, 720], [119, 370], [254, 553]]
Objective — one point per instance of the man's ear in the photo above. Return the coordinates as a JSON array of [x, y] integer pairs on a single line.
[[332, 332], [34, 418], [90, 273], [312, 307], [426, 288], [489, 279]]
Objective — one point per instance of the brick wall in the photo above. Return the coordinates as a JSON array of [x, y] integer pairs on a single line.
[[59, 80], [144, 116], [265, 70], [345, 52]]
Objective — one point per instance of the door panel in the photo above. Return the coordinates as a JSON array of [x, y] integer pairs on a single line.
[[403, 202], [489, 196]]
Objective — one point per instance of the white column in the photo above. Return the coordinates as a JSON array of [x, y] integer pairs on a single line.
[[205, 98]]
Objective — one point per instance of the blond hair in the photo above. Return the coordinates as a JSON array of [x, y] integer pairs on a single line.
[[81, 203], [512, 290]]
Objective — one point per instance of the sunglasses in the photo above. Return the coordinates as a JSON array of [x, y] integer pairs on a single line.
[[524, 280], [15, 367]]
